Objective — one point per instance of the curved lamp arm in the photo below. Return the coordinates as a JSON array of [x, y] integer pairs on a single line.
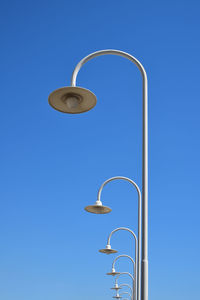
[[108, 52], [123, 255], [125, 284], [125, 293], [123, 273], [144, 265]]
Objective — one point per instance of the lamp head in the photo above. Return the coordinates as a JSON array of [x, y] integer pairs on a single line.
[[113, 272], [108, 250], [98, 208], [72, 100], [116, 287], [117, 297]]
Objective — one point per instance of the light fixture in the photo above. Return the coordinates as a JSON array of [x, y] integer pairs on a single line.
[[72, 100], [77, 100], [117, 258], [108, 250], [116, 287], [117, 296], [113, 272], [98, 208]]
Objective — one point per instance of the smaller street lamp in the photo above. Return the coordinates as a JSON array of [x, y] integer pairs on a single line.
[[113, 272], [119, 287], [109, 250], [99, 208], [116, 287], [117, 296]]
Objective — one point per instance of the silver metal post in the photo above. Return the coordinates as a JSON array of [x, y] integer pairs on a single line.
[[144, 261]]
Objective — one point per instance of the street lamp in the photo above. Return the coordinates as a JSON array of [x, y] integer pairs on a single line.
[[113, 272], [75, 100], [119, 287], [99, 208], [118, 296], [109, 250]]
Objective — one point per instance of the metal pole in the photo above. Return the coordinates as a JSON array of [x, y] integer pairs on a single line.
[[144, 262]]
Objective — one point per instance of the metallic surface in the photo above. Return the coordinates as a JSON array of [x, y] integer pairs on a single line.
[[123, 273], [116, 288], [108, 251], [123, 255], [125, 293], [125, 284], [136, 256], [139, 216], [113, 273], [144, 260], [98, 209], [86, 100]]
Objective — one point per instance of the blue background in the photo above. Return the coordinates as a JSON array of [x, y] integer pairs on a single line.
[[52, 164]]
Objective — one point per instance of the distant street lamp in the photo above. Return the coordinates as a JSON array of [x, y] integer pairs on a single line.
[[75, 100], [99, 208], [109, 250], [113, 272], [119, 287]]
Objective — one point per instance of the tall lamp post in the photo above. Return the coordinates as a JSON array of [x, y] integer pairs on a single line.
[[77, 100]]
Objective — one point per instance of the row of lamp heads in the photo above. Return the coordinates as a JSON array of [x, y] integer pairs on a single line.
[[75, 100], [99, 208]]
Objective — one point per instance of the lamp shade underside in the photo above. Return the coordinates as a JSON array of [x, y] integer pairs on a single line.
[[72, 100]]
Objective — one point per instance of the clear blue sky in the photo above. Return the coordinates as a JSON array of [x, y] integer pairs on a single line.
[[52, 164]]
